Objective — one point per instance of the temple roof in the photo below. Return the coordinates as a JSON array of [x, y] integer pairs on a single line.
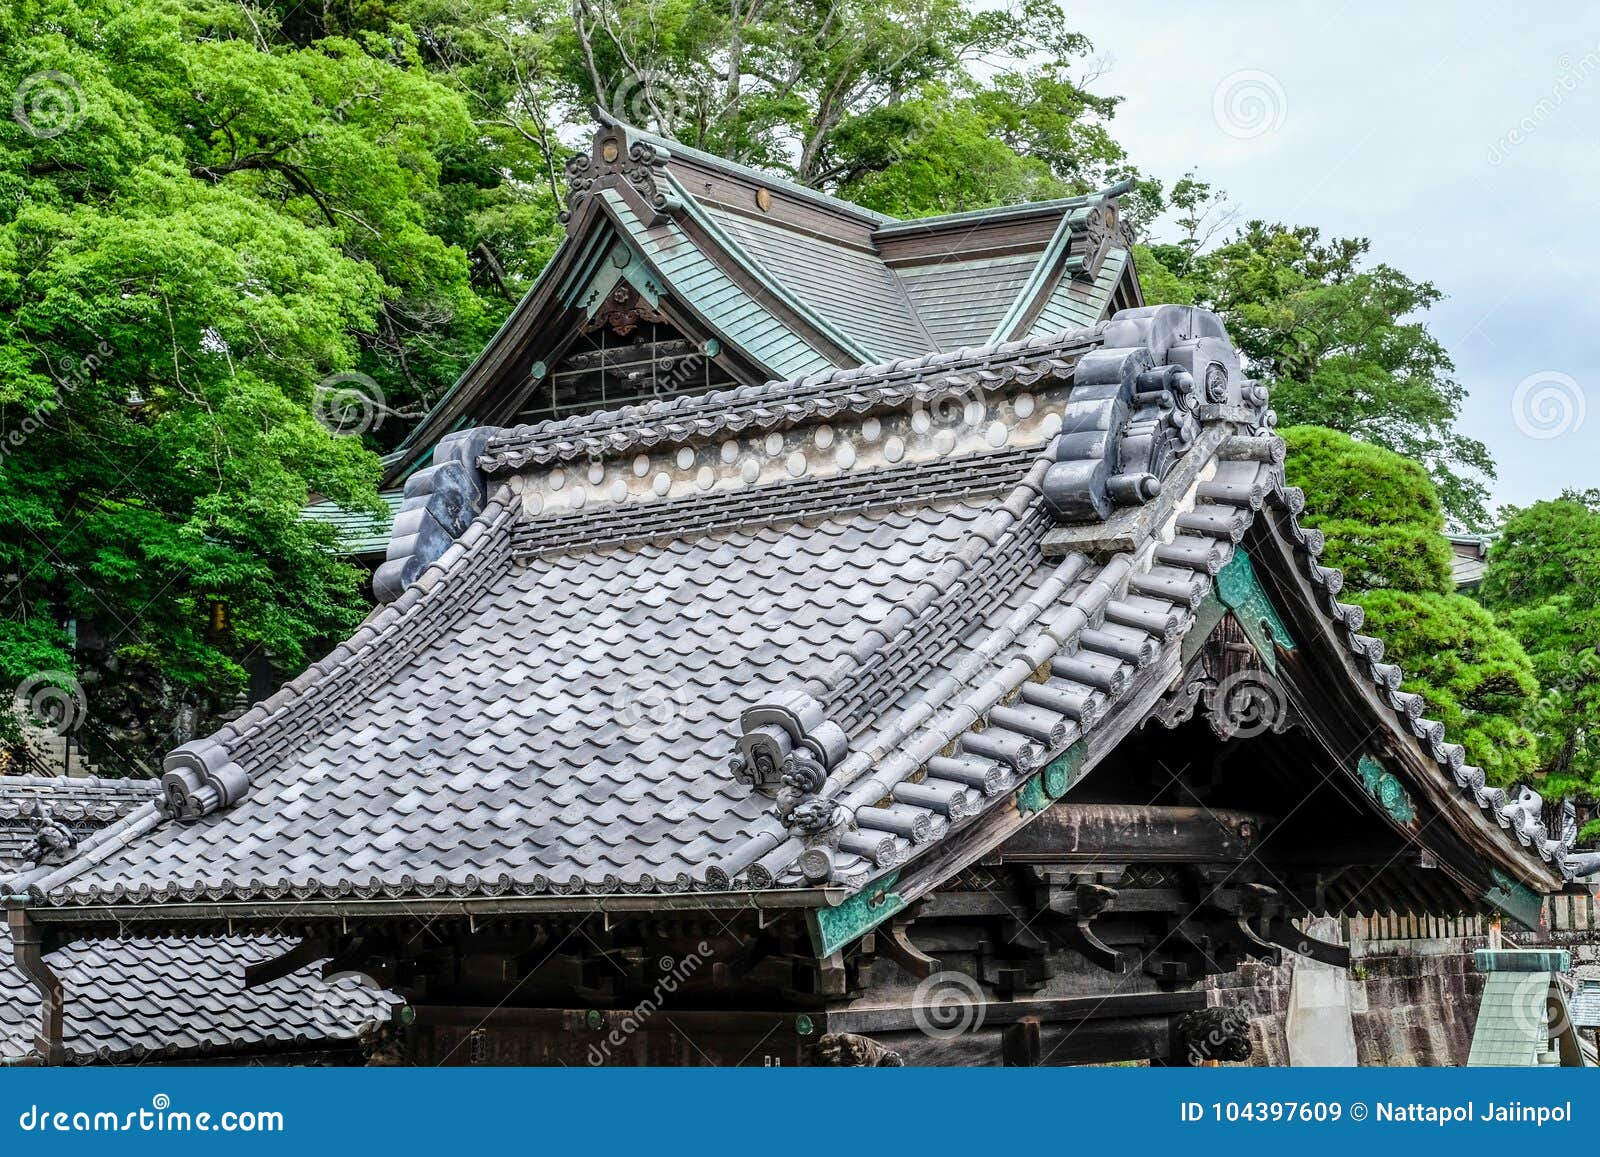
[[822, 634], [161, 998], [787, 280]]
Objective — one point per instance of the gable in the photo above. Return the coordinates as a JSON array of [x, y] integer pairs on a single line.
[[781, 280]]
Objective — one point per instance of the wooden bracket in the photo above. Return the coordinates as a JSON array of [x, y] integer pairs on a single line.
[[893, 942], [1284, 934], [307, 951]]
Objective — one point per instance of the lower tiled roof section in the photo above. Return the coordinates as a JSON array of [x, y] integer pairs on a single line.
[[566, 727], [176, 999], [83, 804]]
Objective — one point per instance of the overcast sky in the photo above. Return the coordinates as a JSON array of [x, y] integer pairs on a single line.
[[1463, 139]]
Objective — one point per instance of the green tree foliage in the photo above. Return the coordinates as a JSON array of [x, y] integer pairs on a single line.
[[1384, 529], [1544, 583], [1379, 511], [878, 101], [200, 220], [1342, 343]]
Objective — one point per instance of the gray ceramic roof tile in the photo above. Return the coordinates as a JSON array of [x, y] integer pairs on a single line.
[[170, 998], [161, 998], [564, 719], [83, 804]]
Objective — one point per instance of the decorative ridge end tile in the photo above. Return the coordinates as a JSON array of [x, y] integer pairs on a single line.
[[441, 503]]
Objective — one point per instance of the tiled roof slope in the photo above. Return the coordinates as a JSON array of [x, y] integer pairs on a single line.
[[182, 999], [153, 999], [794, 633], [81, 803]]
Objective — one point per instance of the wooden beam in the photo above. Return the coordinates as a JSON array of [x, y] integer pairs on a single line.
[[902, 1018], [1069, 833]]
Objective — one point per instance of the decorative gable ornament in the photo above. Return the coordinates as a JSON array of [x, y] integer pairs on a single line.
[[789, 741], [642, 165], [1135, 409], [201, 777]]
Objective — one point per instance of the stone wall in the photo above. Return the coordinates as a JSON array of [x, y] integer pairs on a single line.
[[1413, 1000]]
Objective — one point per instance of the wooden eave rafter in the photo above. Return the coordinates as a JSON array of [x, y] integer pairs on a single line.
[[89, 920]]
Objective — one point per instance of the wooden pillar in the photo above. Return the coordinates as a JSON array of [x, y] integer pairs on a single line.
[[1019, 1046]]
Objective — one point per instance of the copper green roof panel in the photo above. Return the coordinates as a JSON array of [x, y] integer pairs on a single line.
[[360, 533], [698, 283], [1075, 304], [1513, 1027], [961, 302], [852, 289]]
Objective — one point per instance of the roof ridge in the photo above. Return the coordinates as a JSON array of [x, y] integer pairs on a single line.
[[1019, 209], [609, 432], [700, 156], [89, 781]]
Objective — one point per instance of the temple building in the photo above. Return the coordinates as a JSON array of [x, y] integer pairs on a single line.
[[808, 638]]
